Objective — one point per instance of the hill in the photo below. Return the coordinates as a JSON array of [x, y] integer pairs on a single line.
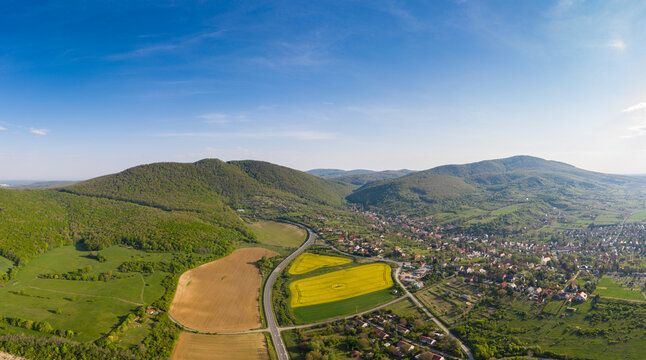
[[358, 177], [524, 186], [161, 206], [210, 184]]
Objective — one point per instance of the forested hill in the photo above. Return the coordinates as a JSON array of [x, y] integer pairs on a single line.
[[533, 185], [162, 206], [210, 184], [358, 177]]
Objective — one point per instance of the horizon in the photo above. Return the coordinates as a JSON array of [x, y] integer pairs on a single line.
[[37, 180], [93, 89]]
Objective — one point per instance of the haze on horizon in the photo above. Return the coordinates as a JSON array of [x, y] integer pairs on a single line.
[[93, 88]]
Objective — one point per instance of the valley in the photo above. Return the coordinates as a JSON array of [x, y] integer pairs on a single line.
[[473, 261]]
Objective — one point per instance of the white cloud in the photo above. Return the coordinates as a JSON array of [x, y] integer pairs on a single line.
[[40, 132], [617, 44], [640, 106], [2, 128], [298, 135]]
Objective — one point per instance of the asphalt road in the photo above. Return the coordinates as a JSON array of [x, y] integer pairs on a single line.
[[272, 326]]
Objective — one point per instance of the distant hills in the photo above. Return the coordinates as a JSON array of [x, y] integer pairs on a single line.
[[473, 194], [192, 206], [358, 177]]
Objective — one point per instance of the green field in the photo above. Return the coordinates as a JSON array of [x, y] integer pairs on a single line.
[[610, 288], [637, 217], [5, 264], [314, 313], [89, 308], [278, 234], [405, 308]]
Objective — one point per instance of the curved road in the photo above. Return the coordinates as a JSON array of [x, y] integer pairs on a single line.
[[272, 326]]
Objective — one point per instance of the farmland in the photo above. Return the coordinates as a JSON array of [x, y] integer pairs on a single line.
[[313, 313], [340, 285], [309, 262], [192, 346], [69, 304], [221, 295], [278, 234]]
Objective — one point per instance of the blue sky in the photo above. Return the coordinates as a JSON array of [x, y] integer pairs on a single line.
[[89, 88]]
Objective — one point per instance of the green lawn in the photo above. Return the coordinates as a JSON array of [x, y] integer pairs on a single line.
[[314, 313], [278, 234], [89, 308], [608, 287]]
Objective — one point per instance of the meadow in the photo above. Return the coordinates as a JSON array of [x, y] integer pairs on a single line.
[[88, 308], [278, 234], [307, 262], [609, 287], [340, 285]]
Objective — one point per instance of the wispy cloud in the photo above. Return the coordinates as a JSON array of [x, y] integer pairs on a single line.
[[298, 135], [2, 128], [637, 107], [408, 20], [150, 50], [220, 118], [39, 132]]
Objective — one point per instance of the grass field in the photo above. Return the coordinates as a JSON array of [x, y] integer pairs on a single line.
[[446, 300], [313, 313], [610, 288], [637, 217], [340, 285], [5, 264], [221, 295], [309, 262], [192, 346], [278, 234], [405, 308], [89, 308]]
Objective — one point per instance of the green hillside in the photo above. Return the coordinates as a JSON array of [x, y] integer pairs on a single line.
[[162, 206], [511, 192], [35, 221], [210, 184], [358, 177]]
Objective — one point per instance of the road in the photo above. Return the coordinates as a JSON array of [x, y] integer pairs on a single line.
[[272, 326], [421, 306]]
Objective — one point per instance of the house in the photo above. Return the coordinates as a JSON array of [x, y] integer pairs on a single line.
[[150, 311], [382, 335], [427, 340], [429, 356], [379, 320], [581, 297], [402, 330], [361, 323], [405, 347]]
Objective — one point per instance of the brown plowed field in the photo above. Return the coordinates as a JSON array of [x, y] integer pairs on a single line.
[[192, 346], [221, 296]]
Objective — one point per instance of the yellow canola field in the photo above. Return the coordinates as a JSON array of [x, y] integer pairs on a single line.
[[308, 262], [340, 285]]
